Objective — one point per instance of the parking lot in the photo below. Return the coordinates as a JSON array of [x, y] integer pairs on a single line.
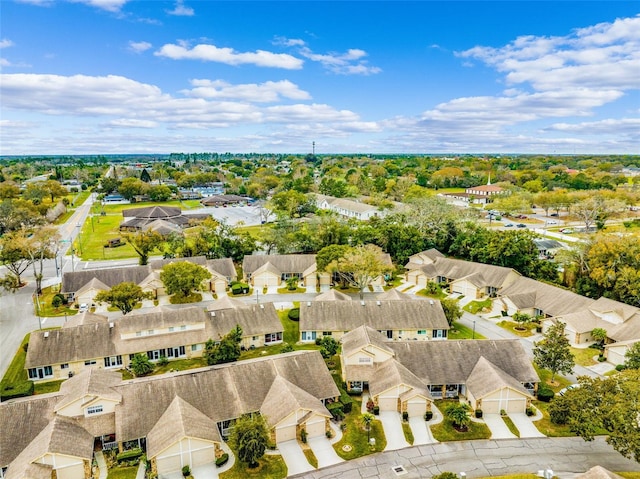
[[232, 215]]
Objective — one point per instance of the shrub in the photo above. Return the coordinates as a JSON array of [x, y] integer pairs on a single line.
[[286, 348], [57, 301], [303, 436], [559, 410], [329, 434], [163, 361], [619, 367], [545, 393], [134, 453], [318, 341], [601, 359], [478, 413], [186, 471], [376, 410], [236, 289], [16, 390], [445, 475], [347, 402], [503, 412], [336, 410], [294, 314], [222, 460], [428, 416], [405, 416], [530, 412], [370, 405]]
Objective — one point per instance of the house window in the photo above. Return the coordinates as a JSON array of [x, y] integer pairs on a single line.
[[64, 366], [364, 360], [156, 354], [422, 331], [176, 352], [138, 333], [438, 334], [41, 373], [89, 362], [196, 347], [112, 361], [326, 333], [171, 329], [183, 327], [94, 410], [308, 335], [150, 332], [272, 337], [255, 338]]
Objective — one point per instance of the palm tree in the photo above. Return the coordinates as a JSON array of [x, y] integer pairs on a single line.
[[367, 419], [459, 414]]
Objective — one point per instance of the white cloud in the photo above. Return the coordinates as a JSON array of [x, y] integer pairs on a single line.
[[181, 10], [255, 93], [132, 123], [139, 47], [4, 43], [349, 63], [39, 3], [229, 56], [289, 42], [108, 5], [610, 126]]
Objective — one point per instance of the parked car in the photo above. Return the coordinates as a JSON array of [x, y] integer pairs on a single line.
[[563, 391], [84, 307], [509, 225], [566, 231], [554, 214], [521, 225], [552, 222], [521, 217]]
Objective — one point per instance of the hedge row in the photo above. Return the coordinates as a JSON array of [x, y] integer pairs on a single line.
[[17, 390], [130, 454]]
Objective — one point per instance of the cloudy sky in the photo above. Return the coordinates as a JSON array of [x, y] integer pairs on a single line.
[[121, 76]]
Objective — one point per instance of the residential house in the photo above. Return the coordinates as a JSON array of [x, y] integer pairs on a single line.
[[163, 332], [470, 279], [398, 320], [547, 248], [139, 219], [405, 376], [178, 418], [224, 200], [274, 270]]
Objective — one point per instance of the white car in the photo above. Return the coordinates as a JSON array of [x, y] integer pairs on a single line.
[[552, 222], [563, 391], [84, 307]]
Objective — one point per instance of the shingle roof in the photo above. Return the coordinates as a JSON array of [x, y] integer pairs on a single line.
[[90, 382], [72, 282], [94, 284], [284, 398], [152, 212], [393, 295], [361, 337], [85, 318], [391, 373], [180, 420], [486, 377], [284, 263], [606, 305], [332, 295], [598, 472], [223, 266], [348, 315], [162, 227], [254, 319], [226, 302]]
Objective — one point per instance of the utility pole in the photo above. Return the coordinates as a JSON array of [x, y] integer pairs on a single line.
[[313, 148]]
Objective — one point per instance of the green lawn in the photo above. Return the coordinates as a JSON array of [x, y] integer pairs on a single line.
[[474, 307], [254, 231], [408, 433], [584, 356], [48, 387], [286, 290], [512, 325], [512, 427], [291, 328], [355, 436], [545, 376], [445, 432], [460, 331], [176, 365], [546, 427], [46, 309], [269, 467], [424, 292], [123, 472], [311, 457]]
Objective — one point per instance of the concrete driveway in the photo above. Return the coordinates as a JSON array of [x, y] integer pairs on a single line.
[[499, 429], [525, 425], [324, 451], [392, 425], [294, 458], [421, 432], [205, 471]]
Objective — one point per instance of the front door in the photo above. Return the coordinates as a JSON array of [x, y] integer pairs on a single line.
[[389, 334]]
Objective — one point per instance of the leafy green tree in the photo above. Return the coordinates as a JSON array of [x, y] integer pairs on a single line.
[[291, 204], [15, 254], [9, 190], [600, 335], [53, 189], [130, 187], [140, 365], [329, 254], [360, 265], [144, 243], [41, 245], [19, 213], [553, 351], [226, 350], [610, 404], [123, 296], [632, 357], [145, 176], [183, 277], [329, 347], [249, 438], [521, 318], [458, 413], [160, 193], [367, 418], [452, 310]]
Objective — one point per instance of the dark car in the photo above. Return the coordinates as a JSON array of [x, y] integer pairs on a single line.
[[521, 225]]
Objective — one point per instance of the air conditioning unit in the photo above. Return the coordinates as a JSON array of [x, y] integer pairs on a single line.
[[378, 303], [262, 306], [362, 303], [308, 304], [110, 325], [213, 313]]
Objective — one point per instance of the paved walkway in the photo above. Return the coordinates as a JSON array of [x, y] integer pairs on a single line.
[[498, 427], [140, 473], [392, 425], [102, 465], [525, 425], [294, 458], [566, 456]]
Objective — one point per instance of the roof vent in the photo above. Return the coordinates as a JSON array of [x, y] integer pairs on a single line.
[[262, 306], [431, 302], [362, 303], [110, 325], [213, 313], [46, 334], [378, 303], [308, 304]]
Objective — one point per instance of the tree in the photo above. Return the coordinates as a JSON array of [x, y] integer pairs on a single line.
[[249, 438], [145, 176], [182, 277], [160, 193], [329, 346], [360, 265], [226, 350], [41, 246], [600, 335], [452, 310], [53, 189], [521, 318], [367, 419], [329, 254], [595, 209], [130, 187], [14, 253], [144, 243], [123, 296], [458, 413], [610, 404], [553, 352], [291, 204], [140, 365], [632, 357]]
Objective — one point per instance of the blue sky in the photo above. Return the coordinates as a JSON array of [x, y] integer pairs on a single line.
[[120, 76]]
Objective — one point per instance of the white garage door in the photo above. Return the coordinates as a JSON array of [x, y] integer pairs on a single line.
[[516, 405], [422, 281], [70, 472], [168, 464], [388, 404], [316, 428], [286, 433], [491, 406], [203, 456], [615, 356], [416, 408], [265, 280], [463, 287]]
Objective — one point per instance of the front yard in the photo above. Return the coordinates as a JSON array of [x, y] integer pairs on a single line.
[[269, 467], [460, 331], [354, 438], [523, 330], [445, 431]]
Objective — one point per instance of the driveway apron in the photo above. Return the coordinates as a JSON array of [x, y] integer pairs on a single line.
[[294, 458], [324, 451], [499, 429], [525, 425], [392, 425], [421, 432]]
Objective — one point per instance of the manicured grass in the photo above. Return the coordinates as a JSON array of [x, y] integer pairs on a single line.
[[269, 467], [474, 307], [584, 356], [408, 433], [16, 372], [48, 387], [125, 472], [460, 331], [254, 231], [629, 475], [291, 328], [93, 236], [311, 457], [546, 427], [512, 427], [512, 325], [355, 435], [176, 365], [286, 290], [180, 299], [425, 293], [46, 309], [545, 376], [445, 432]]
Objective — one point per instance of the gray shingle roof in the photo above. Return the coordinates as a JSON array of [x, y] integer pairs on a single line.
[[284, 398], [284, 263], [486, 377], [332, 295], [72, 282]]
